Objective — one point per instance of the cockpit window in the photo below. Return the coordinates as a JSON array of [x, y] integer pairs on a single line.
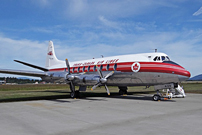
[[157, 58], [161, 58], [167, 58]]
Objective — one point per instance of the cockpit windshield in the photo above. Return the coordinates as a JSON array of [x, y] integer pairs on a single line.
[[161, 58]]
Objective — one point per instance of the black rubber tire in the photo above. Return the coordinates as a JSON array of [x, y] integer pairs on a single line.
[[77, 94], [156, 97], [72, 94], [122, 92]]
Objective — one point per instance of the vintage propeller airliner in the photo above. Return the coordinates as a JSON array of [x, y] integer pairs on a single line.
[[146, 69]]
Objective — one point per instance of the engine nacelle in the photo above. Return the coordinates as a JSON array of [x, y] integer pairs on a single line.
[[89, 80], [70, 77]]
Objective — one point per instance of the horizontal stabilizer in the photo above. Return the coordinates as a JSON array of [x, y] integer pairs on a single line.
[[21, 72], [31, 65]]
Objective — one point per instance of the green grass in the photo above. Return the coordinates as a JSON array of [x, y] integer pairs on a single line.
[[192, 88], [55, 91]]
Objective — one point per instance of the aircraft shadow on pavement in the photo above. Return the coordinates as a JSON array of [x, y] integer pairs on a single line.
[[129, 96], [87, 96]]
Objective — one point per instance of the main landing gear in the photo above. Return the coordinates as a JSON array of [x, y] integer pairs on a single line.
[[122, 90], [75, 94]]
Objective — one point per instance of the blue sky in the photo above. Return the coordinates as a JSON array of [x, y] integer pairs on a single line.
[[83, 29]]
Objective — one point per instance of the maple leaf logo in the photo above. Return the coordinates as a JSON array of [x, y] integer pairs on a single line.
[[136, 66], [50, 53]]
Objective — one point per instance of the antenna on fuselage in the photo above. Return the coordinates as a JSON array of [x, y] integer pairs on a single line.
[[155, 50], [102, 56]]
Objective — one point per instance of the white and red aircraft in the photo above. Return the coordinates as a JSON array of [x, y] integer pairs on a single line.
[[146, 69]]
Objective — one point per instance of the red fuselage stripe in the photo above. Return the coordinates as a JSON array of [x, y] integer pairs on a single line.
[[126, 67]]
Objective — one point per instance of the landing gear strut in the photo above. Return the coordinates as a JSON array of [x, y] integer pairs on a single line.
[[122, 90], [74, 93]]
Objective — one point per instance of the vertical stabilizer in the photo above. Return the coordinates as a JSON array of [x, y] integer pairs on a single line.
[[51, 59]]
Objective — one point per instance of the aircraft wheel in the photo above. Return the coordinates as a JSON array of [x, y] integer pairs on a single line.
[[122, 92], [156, 97], [77, 93], [73, 94]]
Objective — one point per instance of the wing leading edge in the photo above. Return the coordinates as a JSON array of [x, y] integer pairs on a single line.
[[22, 72], [31, 65]]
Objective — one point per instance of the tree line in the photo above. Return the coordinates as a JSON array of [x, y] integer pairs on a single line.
[[19, 80]]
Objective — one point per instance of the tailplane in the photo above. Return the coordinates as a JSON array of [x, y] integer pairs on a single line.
[[51, 59]]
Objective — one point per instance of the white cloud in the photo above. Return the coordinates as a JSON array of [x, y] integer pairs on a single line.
[[25, 50], [89, 10], [198, 12], [109, 23]]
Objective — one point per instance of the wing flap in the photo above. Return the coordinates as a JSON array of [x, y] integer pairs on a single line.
[[22, 72]]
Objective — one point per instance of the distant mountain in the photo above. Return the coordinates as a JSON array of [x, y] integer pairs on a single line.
[[196, 78]]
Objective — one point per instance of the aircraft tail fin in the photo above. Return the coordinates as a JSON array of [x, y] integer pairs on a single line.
[[51, 59]]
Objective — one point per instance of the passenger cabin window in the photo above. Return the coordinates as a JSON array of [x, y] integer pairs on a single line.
[[78, 69], [73, 70], [115, 66], [94, 68], [107, 67], [88, 68], [101, 67]]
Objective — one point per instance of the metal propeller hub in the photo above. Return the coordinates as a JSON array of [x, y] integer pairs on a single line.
[[103, 80]]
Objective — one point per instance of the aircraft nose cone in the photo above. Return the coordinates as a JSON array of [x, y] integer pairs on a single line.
[[186, 75]]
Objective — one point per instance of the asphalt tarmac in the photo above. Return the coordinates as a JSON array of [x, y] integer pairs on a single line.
[[119, 115]]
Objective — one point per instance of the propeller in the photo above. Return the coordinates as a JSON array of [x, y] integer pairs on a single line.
[[102, 80], [70, 78]]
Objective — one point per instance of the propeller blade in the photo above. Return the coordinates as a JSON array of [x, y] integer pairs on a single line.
[[68, 66], [99, 72], [110, 74], [95, 86], [107, 89], [72, 86]]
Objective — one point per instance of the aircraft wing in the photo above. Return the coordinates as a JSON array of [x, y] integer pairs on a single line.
[[31, 65], [22, 72]]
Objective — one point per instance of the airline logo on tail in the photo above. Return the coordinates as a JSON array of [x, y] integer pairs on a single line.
[[50, 53]]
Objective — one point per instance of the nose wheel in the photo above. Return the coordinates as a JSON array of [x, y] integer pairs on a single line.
[[156, 97]]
